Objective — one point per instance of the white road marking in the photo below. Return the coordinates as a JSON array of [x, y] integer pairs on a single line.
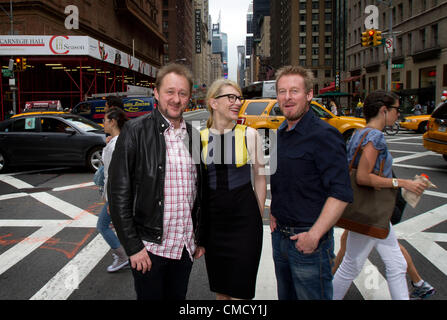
[[408, 143], [62, 285], [412, 156], [266, 280], [419, 167], [19, 251]]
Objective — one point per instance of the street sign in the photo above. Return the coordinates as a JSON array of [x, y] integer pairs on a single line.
[[398, 66], [7, 73]]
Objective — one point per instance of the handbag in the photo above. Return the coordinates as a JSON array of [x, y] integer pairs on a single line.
[[371, 210]]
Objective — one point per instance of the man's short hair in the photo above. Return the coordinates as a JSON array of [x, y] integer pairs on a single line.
[[309, 79], [114, 101], [176, 68]]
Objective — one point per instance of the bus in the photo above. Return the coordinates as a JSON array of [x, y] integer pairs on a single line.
[[260, 89]]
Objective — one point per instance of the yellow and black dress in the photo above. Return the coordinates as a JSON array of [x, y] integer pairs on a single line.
[[233, 228]]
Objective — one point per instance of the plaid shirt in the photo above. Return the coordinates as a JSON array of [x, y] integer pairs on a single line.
[[179, 194]]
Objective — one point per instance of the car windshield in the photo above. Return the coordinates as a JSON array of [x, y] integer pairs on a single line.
[[83, 123], [440, 112]]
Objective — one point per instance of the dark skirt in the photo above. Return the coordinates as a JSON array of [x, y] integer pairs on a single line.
[[234, 241]]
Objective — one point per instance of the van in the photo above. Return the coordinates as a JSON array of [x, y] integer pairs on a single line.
[[133, 106]]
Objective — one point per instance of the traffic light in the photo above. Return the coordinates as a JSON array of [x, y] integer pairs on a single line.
[[377, 38], [19, 64], [365, 37], [371, 37], [23, 64]]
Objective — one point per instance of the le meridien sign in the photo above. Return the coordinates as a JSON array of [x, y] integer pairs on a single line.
[[61, 45]]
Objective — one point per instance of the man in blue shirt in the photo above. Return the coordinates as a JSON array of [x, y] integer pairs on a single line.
[[310, 190]]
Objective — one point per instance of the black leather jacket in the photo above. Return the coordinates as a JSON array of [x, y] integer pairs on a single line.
[[136, 181]]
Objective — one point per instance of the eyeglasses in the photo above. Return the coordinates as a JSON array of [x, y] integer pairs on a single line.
[[398, 109], [231, 98]]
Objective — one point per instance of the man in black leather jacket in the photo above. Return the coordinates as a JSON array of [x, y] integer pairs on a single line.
[[154, 190]]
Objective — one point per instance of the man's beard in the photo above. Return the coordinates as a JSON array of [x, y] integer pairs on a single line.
[[297, 115]]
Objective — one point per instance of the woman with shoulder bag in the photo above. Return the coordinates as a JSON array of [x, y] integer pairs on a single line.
[[380, 108]]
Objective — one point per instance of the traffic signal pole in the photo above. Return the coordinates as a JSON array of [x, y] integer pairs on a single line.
[[390, 52]]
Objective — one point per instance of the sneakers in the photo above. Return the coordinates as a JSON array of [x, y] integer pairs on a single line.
[[422, 292], [120, 260]]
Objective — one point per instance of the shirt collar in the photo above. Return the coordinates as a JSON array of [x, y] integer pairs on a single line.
[[302, 125], [171, 124]]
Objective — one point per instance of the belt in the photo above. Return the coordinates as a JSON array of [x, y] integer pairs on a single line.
[[291, 231]]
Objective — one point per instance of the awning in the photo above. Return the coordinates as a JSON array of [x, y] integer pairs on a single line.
[[353, 78], [331, 87]]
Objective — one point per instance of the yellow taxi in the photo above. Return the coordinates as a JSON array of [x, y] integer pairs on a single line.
[[435, 139], [266, 114], [31, 113], [416, 123]]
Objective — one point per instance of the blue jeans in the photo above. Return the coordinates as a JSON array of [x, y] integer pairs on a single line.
[[302, 276], [103, 226]]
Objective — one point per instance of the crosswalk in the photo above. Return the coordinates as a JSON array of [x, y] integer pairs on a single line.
[[371, 283]]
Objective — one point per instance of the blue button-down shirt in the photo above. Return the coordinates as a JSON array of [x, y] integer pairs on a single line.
[[311, 166]]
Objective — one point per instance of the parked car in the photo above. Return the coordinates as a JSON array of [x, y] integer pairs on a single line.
[[133, 106], [266, 114], [50, 138], [435, 139], [416, 123]]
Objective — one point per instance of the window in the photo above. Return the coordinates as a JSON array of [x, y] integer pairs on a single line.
[[434, 35], [276, 111], [53, 125], [25, 125], [255, 108]]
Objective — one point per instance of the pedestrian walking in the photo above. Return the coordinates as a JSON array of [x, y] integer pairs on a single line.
[[334, 108], [114, 120], [233, 208], [154, 190], [381, 108], [310, 190]]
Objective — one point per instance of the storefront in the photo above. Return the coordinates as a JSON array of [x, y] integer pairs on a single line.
[[66, 68]]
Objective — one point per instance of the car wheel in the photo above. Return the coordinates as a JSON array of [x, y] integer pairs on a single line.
[[94, 159], [422, 127], [445, 157], [3, 162]]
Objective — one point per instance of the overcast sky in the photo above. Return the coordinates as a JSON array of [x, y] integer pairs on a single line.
[[234, 24]]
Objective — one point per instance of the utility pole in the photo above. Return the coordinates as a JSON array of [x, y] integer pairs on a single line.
[[390, 52]]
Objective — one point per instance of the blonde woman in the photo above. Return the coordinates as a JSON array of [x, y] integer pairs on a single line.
[[232, 219]]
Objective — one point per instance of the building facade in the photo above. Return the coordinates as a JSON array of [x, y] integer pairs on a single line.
[[419, 50], [178, 22], [76, 48], [201, 65], [302, 34]]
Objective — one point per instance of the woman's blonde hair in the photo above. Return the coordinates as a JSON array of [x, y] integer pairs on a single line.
[[214, 91]]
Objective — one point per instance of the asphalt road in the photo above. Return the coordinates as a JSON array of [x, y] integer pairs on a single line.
[[50, 249]]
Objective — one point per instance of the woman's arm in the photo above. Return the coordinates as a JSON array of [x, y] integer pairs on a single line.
[[366, 177], [255, 150]]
